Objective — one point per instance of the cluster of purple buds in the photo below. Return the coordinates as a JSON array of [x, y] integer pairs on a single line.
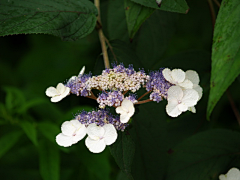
[[100, 118], [158, 85]]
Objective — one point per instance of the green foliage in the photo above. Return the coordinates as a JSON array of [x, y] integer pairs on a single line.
[[179, 6], [69, 20], [203, 155], [135, 15], [225, 51], [123, 151]]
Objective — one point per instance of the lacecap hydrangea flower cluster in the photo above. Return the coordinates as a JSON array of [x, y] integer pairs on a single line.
[[117, 88]]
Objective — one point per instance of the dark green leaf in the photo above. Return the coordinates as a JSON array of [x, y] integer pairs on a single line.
[[49, 160], [14, 98], [8, 140], [123, 53], [225, 51], [154, 36], [30, 129], [123, 152], [179, 6], [204, 156], [69, 20], [49, 130], [136, 14], [114, 20], [31, 103], [149, 132]]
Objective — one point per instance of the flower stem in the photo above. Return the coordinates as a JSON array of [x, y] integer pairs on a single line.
[[143, 101], [217, 3], [212, 12], [144, 95], [101, 36], [233, 106]]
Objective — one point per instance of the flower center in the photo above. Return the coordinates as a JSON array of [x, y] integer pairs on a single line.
[[179, 101]]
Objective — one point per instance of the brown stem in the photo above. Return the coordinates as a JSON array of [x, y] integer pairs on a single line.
[[111, 49], [213, 15], [233, 106], [92, 95], [217, 3], [101, 36], [143, 101], [144, 95], [125, 92]]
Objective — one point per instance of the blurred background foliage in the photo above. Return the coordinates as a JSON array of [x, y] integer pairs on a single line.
[[29, 122]]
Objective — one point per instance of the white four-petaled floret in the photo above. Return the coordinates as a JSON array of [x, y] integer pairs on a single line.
[[72, 132], [126, 110], [58, 93], [99, 137]]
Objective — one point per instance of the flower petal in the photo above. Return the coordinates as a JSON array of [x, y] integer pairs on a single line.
[[56, 98], [110, 135], [167, 75], [80, 131], [190, 97], [187, 84], [222, 177], [175, 92], [192, 76], [51, 91], [95, 132], [127, 105], [68, 128], [95, 146], [64, 140], [192, 109], [233, 174], [124, 118], [178, 75], [199, 90], [120, 110], [81, 72], [66, 92], [172, 110], [61, 88], [182, 107]]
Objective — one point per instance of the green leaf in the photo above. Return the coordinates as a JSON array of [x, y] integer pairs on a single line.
[[152, 40], [123, 152], [14, 98], [149, 133], [136, 14], [69, 20], [7, 141], [31, 103], [225, 51], [123, 53], [49, 130], [49, 160], [179, 6], [30, 130], [205, 155], [114, 20]]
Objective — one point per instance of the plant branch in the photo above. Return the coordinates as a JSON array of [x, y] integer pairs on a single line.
[[143, 95], [233, 106], [213, 15], [101, 36], [143, 101], [111, 49], [217, 3]]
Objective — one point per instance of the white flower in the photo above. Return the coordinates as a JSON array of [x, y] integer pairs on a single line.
[[232, 174], [58, 93], [99, 137], [179, 100], [177, 77], [74, 78], [126, 110], [194, 78], [72, 132]]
